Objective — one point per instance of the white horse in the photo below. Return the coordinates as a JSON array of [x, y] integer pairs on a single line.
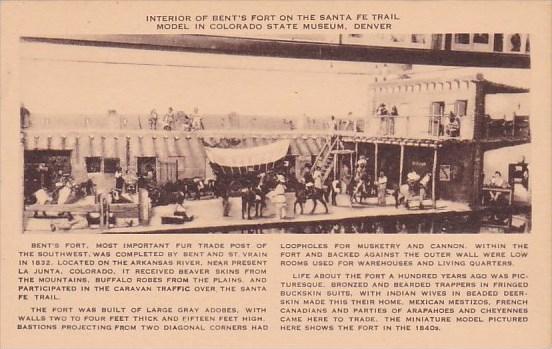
[[407, 193]]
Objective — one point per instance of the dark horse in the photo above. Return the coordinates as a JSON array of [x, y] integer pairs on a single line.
[[254, 196], [308, 192], [249, 200], [300, 197], [316, 195]]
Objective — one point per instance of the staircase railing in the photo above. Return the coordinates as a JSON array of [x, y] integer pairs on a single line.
[[323, 156], [321, 153], [326, 149]]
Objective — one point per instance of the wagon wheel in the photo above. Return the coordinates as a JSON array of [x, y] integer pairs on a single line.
[[235, 186]]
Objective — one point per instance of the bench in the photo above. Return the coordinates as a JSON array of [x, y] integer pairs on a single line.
[[71, 208], [127, 210]]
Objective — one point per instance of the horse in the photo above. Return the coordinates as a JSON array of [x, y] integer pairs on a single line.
[[267, 182], [358, 191], [300, 197], [316, 194], [254, 196], [249, 201], [407, 192]]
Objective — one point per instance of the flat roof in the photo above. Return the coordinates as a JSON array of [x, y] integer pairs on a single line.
[[491, 87]]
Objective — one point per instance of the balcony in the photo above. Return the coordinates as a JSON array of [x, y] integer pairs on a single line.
[[232, 123], [515, 127], [422, 127]]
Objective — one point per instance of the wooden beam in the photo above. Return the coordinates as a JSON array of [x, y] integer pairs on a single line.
[[293, 49], [375, 160], [434, 179], [351, 163], [336, 158], [477, 175], [356, 155], [401, 165]]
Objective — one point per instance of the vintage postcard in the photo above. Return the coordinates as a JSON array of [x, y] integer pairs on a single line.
[[275, 174]]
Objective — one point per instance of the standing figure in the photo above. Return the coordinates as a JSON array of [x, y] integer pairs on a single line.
[[197, 123], [336, 189], [168, 120], [424, 187], [382, 188], [119, 180], [361, 177], [221, 190], [279, 197], [153, 117]]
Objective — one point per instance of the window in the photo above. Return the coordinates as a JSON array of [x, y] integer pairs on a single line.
[[460, 107], [515, 41], [435, 126], [397, 38], [418, 38], [498, 42], [93, 164], [147, 166], [111, 164], [481, 38], [463, 38]]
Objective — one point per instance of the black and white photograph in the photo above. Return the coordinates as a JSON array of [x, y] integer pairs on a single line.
[[304, 134]]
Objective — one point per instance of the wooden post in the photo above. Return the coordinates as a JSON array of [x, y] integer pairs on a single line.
[[107, 214], [477, 174], [434, 178], [375, 160], [143, 206], [335, 165], [102, 212], [356, 155], [401, 165]]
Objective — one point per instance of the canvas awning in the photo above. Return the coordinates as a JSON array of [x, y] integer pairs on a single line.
[[244, 157]]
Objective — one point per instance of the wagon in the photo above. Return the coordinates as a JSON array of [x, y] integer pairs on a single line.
[[241, 167]]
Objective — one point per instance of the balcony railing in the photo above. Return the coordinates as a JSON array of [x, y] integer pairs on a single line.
[[431, 126], [515, 127], [213, 122], [403, 126]]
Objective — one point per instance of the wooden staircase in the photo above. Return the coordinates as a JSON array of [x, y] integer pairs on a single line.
[[326, 157]]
